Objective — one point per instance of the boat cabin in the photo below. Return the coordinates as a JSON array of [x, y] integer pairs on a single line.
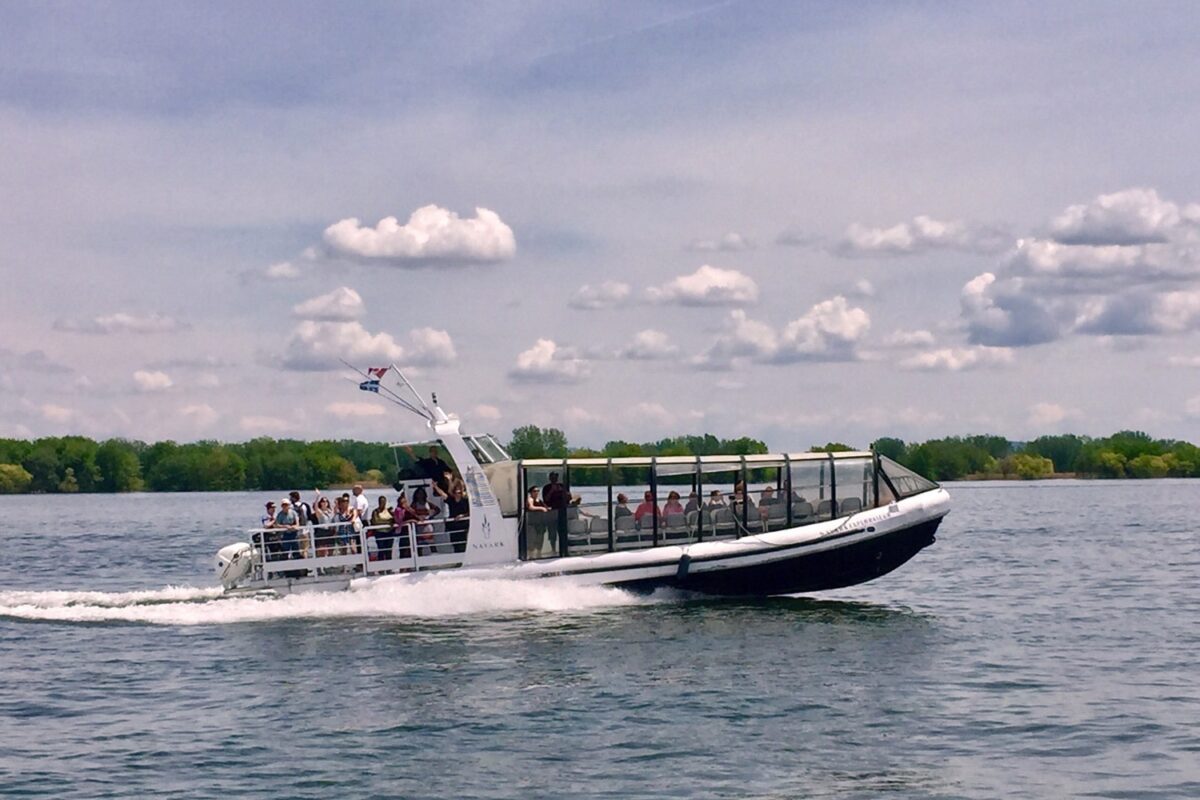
[[630, 503]]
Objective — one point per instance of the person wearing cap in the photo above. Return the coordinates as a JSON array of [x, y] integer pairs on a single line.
[[270, 538], [287, 520]]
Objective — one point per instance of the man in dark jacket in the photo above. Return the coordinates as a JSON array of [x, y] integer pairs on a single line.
[[556, 497]]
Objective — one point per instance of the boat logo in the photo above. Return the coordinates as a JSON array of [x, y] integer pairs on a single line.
[[486, 528]]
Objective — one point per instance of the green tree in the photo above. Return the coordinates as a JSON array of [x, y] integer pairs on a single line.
[[14, 479], [43, 466], [1026, 466], [530, 441], [892, 448], [831, 447], [68, 484], [1062, 450], [1148, 466], [120, 469]]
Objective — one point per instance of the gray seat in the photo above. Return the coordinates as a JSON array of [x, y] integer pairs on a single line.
[[776, 516], [826, 510], [723, 524], [676, 527], [802, 512], [625, 531], [851, 505], [577, 534]]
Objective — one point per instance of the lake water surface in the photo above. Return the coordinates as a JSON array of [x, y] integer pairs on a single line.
[[1045, 646]]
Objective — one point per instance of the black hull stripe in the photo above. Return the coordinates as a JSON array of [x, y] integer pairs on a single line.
[[709, 559]]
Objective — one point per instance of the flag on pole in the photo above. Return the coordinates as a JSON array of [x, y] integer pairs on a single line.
[[378, 372], [370, 386]]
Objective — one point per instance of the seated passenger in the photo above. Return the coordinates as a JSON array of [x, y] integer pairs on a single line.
[[622, 509], [715, 501], [673, 506], [693, 503], [750, 516], [767, 496], [644, 515]]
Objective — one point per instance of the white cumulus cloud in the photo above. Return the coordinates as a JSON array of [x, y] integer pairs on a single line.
[[708, 286], [1048, 415], [649, 345], [830, 331], [152, 380], [431, 235], [919, 235], [546, 362], [605, 295], [959, 359], [281, 271], [1128, 217], [488, 412], [199, 414], [56, 413], [315, 346], [903, 338], [731, 242], [341, 305]]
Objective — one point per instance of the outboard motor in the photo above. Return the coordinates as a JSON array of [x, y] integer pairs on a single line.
[[234, 562]]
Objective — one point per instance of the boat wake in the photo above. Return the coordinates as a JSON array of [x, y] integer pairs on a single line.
[[435, 596]]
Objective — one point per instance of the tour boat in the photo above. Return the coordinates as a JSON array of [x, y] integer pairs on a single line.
[[755, 525]]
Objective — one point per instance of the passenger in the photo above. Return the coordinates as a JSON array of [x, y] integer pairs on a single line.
[[289, 523], [458, 510], [381, 521], [533, 502], [767, 496], [715, 501], [270, 538], [324, 536], [432, 467], [304, 512], [556, 497], [442, 486], [361, 505], [423, 510], [344, 519], [673, 505], [647, 508], [693, 503], [536, 518], [745, 516], [401, 517], [622, 509]]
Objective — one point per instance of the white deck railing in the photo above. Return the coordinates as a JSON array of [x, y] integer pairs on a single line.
[[335, 548]]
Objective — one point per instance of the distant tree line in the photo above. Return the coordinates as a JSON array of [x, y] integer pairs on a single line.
[[1127, 454], [79, 464]]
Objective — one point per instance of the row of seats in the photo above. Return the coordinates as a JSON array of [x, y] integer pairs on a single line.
[[587, 533]]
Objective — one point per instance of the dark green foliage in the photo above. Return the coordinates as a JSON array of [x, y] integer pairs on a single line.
[[1062, 450], [892, 448]]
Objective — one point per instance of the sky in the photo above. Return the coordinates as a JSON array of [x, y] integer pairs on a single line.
[[802, 222]]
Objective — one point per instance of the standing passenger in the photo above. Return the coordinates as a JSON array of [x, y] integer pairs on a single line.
[[557, 498], [381, 521]]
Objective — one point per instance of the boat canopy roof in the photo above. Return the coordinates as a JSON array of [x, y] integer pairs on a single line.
[[687, 464]]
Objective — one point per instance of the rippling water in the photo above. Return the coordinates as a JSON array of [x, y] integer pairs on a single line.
[[1046, 646]]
